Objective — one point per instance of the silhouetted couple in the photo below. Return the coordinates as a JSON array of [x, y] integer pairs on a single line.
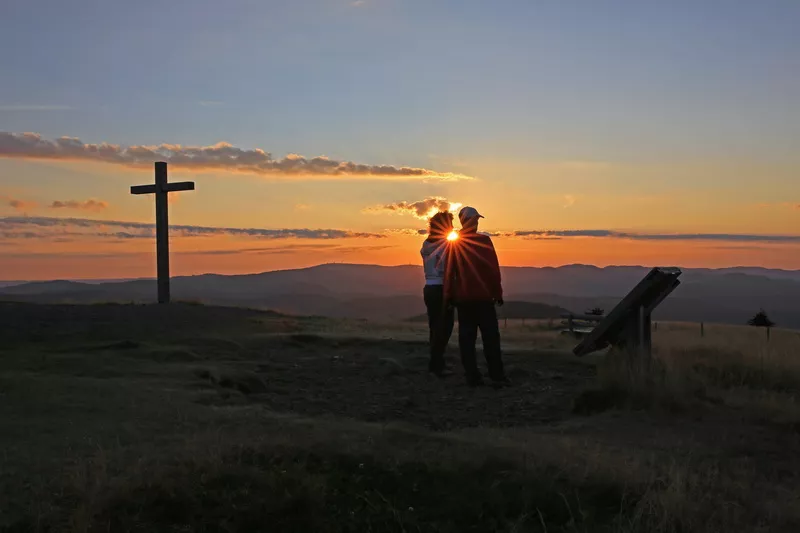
[[462, 272]]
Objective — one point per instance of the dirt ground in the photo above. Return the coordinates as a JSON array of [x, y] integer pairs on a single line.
[[383, 380]]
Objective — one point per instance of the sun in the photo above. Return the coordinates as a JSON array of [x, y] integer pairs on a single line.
[[452, 236]]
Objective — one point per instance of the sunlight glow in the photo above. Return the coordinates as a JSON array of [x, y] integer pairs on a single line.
[[453, 235], [453, 207]]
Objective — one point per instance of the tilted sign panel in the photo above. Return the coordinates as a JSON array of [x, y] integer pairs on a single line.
[[648, 293]]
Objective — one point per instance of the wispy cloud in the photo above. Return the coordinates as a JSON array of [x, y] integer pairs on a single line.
[[326, 250], [218, 157], [358, 3], [211, 103], [733, 238], [290, 249], [407, 232], [604, 233], [41, 227], [85, 205], [34, 107], [569, 201], [422, 209]]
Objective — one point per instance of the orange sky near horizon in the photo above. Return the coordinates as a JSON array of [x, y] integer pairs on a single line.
[[135, 258], [655, 222]]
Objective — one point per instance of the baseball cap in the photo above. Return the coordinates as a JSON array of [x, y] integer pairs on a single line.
[[468, 213]]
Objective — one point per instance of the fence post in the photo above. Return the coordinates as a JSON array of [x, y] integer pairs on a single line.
[[768, 328], [702, 330], [505, 322], [655, 326]]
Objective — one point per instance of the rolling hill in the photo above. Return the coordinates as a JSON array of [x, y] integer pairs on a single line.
[[390, 293]]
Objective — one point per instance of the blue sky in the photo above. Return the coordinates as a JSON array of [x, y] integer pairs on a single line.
[[692, 102], [396, 80]]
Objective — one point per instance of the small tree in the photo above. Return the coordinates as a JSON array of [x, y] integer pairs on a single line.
[[596, 312], [761, 320]]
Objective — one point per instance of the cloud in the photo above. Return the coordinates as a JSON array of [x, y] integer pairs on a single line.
[[86, 205], [569, 200], [285, 248], [358, 3], [290, 249], [422, 209], [211, 103], [407, 232], [604, 233], [302, 207], [217, 157], [613, 234], [44, 227], [17, 204], [34, 107]]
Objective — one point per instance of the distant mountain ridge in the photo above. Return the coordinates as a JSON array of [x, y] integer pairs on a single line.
[[730, 295]]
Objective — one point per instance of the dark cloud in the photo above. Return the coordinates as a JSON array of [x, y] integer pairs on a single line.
[[406, 232], [422, 209], [729, 237], [220, 156], [86, 205], [28, 227], [545, 234], [61, 227], [287, 248]]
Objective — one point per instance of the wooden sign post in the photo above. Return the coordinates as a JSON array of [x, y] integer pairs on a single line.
[[628, 325], [161, 188]]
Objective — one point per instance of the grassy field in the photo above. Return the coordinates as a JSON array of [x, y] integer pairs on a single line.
[[192, 418]]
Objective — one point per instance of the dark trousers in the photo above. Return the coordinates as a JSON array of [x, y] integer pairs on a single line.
[[440, 324], [473, 316]]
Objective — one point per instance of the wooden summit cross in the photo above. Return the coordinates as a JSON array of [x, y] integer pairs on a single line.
[[160, 188]]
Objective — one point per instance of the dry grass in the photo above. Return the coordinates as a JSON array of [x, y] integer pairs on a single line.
[[731, 356], [288, 424], [735, 366]]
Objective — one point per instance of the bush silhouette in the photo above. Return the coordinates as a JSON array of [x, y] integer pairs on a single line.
[[596, 311], [761, 320]]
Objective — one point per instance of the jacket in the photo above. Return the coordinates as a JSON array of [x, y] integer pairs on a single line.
[[473, 270], [433, 260]]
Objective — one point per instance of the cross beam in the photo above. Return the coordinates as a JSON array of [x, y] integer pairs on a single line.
[[161, 188]]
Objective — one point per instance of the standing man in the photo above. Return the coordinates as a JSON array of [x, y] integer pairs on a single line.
[[474, 285]]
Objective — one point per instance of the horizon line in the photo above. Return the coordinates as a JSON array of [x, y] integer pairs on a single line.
[[402, 265]]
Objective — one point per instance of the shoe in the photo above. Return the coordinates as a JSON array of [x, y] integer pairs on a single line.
[[441, 374]]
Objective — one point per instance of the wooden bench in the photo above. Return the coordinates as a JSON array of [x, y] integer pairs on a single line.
[[577, 324]]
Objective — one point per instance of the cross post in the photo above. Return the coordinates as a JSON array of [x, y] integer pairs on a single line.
[[161, 188]]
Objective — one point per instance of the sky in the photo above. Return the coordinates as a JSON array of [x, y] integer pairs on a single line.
[[316, 131]]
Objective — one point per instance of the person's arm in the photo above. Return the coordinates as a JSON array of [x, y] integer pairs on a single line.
[[497, 282]]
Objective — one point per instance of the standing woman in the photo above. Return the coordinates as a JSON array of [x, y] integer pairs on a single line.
[[434, 252]]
